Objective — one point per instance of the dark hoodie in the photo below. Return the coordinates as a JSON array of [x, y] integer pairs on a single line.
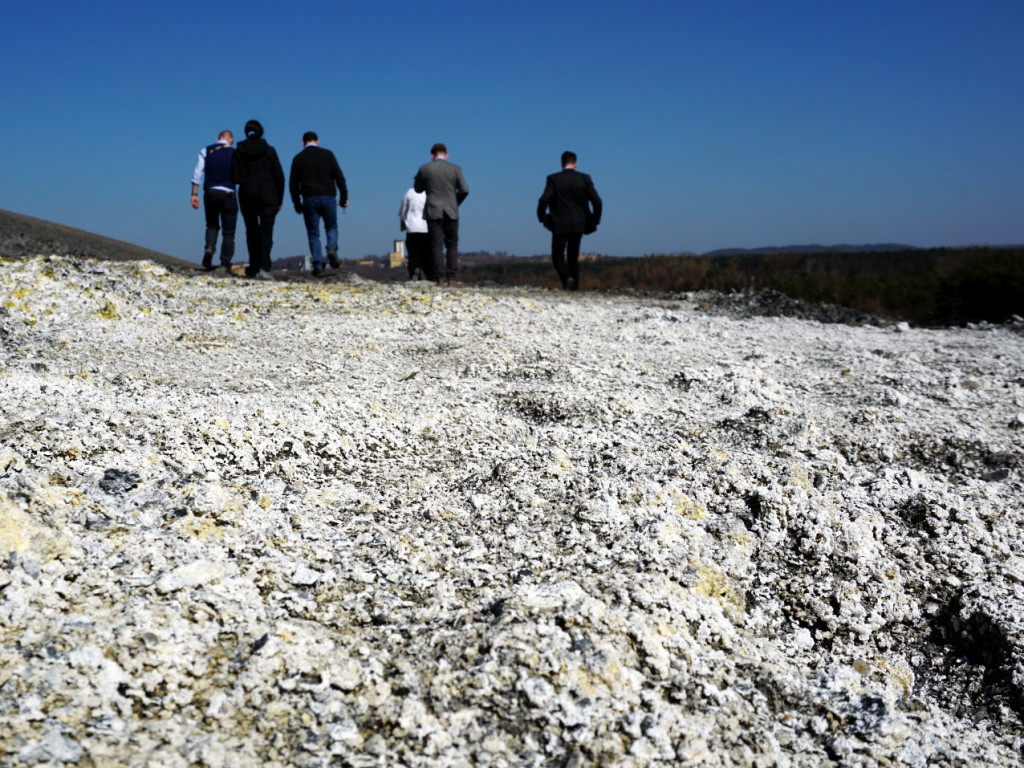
[[257, 171]]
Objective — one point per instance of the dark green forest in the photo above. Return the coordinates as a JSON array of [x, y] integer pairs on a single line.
[[930, 287]]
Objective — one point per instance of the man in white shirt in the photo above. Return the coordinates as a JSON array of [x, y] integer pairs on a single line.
[[417, 241], [213, 173]]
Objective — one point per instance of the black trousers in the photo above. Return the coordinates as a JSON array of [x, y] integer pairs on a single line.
[[259, 233], [417, 246], [221, 208], [565, 255], [444, 247]]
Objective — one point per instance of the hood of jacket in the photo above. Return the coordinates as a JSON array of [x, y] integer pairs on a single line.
[[252, 147]]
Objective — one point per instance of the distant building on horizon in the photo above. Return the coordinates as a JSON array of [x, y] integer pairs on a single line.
[[396, 258]]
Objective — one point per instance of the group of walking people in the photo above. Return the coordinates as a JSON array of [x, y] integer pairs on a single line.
[[315, 184], [249, 178]]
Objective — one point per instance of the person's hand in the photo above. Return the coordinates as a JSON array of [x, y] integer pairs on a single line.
[[298, 208], [195, 200], [343, 205]]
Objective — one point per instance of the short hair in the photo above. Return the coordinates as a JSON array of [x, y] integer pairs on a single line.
[[226, 134], [309, 136], [568, 158], [439, 149]]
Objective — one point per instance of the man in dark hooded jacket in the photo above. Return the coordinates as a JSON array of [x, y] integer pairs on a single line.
[[260, 179]]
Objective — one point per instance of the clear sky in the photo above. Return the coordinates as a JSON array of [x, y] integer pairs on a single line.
[[705, 125]]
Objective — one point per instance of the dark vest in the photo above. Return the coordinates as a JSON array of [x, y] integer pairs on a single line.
[[218, 166]]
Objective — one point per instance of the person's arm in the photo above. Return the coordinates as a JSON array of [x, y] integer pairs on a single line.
[[294, 187], [403, 211], [197, 177], [461, 188], [278, 173], [339, 179], [595, 201], [545, 199]]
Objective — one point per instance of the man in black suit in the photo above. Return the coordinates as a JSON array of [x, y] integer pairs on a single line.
[[446, 188], [570, 207]]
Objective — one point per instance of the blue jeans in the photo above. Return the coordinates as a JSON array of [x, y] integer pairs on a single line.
[[313, 208]]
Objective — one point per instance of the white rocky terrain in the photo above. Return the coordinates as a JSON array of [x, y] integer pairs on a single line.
[[339, 523]]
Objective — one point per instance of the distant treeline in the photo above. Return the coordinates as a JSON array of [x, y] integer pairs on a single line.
[[937, 286]]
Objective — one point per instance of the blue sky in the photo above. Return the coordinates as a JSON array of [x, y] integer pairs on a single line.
[[705, 125]]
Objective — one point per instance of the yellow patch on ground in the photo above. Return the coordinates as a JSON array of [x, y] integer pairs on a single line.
[[712, 583], [20, 532], [681, 504], [108, 312]]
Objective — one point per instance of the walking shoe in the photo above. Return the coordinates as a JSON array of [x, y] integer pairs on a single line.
[[332, 258], [208, 258], [317, 271], [570, 284], [262, 275]]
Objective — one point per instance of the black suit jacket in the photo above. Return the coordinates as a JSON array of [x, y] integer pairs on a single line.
[[572, 201]]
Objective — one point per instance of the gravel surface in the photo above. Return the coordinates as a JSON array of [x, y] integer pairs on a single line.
[[337, 523]]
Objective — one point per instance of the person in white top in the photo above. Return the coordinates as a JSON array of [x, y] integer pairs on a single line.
[[417, 241]]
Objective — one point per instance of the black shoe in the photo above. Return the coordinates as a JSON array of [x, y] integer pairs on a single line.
[[332, 258], [208, 258], [317, 271], [570, 284]]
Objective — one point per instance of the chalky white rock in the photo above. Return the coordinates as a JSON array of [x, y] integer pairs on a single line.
[[282, 523]]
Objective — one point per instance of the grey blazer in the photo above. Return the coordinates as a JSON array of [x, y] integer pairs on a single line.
[[445, 186]]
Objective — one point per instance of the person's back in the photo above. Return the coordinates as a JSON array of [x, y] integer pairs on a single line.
[[315, 172], [217, 173], [569, 199], [444, 185], [253, 169]]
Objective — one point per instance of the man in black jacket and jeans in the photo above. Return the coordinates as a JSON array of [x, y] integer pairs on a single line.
[[314, 174], [570, 207], [257, 172]]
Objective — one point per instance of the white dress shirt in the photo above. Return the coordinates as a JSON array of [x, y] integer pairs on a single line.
[[411, 211]]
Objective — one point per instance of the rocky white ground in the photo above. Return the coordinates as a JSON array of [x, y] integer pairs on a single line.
[[297, 524]]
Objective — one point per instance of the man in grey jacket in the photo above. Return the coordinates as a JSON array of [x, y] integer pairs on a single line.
[[446, 188]]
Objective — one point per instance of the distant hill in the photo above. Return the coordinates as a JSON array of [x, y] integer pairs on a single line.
[[22, 236], [810, 249]]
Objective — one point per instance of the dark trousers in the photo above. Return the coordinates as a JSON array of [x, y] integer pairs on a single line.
[[444, 247], [259, 233], [221, 209], [565, 255], [417, 246]]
